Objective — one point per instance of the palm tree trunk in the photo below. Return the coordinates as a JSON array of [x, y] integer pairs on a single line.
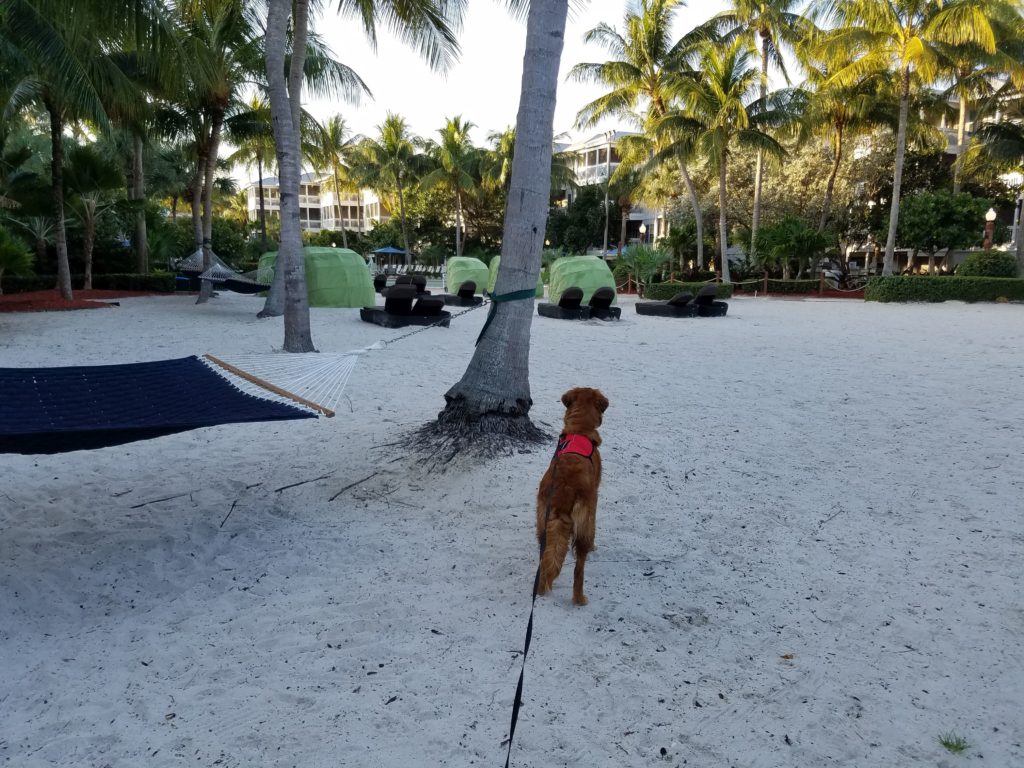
[[826, 205], [197, 198], [897, 176], [961, 130], [698, 214], [217, 122], [337, 197], [755, 222], [139, 195], [401, 212], [285, 106], [622, 228], [263, 207], [494, 392], [607, 220], [458, 224], [57, 196], [174, 209], [723, 231], [1020, 246], [89, 237]]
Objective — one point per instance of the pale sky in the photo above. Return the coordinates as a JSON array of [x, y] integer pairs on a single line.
[[483, 86]]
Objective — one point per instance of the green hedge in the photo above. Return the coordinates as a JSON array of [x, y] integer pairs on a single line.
[[664, 291], [157, 282], [988, 264], [934, 289]]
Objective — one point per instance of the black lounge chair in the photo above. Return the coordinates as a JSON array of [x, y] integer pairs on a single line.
[[568, 306], [466, 296], [601, 305], [399, 309], [706, 304], [380, 282], [680, 305]]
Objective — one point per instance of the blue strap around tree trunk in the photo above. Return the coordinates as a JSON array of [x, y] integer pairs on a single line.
[[526, 293]]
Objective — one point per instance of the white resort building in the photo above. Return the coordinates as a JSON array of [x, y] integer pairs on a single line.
[[595, 159], [318, 206]]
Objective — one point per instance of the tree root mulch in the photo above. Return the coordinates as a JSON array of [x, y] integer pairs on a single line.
[[51, 301]]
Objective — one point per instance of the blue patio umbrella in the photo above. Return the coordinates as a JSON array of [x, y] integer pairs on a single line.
[[389, 250]]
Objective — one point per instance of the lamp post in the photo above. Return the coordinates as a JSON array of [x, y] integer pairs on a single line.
[[643, 233], [990, 225]]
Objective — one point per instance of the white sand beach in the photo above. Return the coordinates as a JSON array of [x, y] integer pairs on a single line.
[[809, 553]]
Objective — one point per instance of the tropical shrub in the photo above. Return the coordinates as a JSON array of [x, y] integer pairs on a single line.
[[15, 255], [641, 263], [988, 264], [787, 240], [665, 291], [935, 289], [933, 220]]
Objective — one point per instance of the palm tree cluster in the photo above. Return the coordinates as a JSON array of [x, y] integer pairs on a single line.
[[702, 102], [150, 91]]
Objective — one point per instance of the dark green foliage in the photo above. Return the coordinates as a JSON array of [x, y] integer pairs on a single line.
[[935, 289], [229, 238], [988, 264], [157, 282], [791, 240], [15, 255], [581, 226], [665, 291], [933, 220]]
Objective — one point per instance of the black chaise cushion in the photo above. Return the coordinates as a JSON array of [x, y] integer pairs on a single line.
[[567, 308], [467, 290], [398, 299], [706, 304], [421, 284], [681, 299], [571, 298], [601, 305]]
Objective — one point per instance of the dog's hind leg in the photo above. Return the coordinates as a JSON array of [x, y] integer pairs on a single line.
[[582, 544], [556, 546]]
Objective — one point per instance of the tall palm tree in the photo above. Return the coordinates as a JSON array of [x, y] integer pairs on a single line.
[[458, 163], [642, 73], [252, 132], [492, 399], [972, 73], [222, 43], [496, 164], [771, 26], [838, 113], [426, 24], [89, 180], [334, 150], [395, 157], [57, 55], [722, 110], [901, 37]]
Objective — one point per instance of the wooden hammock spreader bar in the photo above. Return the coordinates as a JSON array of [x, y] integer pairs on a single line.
[[270, 387]]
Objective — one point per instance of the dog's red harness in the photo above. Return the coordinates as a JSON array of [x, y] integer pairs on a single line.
[[573, 443]]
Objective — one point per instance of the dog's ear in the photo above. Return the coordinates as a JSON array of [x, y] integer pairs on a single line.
[[602, 403], [569, 398]]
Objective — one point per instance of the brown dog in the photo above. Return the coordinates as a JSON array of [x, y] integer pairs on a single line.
[[567, 497]]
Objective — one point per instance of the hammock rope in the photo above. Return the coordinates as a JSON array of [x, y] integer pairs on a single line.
[[316, 381]]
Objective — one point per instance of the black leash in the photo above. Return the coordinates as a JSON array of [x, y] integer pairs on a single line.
[[518, 702]]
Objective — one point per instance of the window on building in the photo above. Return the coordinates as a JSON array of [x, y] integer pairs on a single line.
[[602, 156]]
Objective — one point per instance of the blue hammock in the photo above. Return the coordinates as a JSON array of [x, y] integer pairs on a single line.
[[53, 410]]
